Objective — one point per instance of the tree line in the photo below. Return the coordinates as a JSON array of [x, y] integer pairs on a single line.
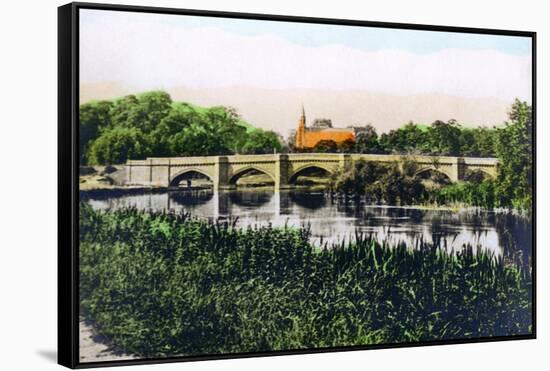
[[440, 138], [511, 143], [151, 124]]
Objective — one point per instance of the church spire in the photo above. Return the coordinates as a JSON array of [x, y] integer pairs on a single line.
[[303, 117], [301, 132]]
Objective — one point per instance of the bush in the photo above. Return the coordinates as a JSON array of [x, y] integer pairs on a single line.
[[379, 183], [481, 194]]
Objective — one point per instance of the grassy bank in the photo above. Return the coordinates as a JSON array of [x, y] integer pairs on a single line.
[[165, 284]]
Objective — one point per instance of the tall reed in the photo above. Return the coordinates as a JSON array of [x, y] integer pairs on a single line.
[[161, 284]]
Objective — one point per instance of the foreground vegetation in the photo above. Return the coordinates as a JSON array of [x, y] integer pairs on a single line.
[[161, 284]]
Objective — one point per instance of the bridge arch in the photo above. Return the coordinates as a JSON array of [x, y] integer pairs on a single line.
[[294, 176], [479, 171], [178, 177], [233, 178], [424, 170]]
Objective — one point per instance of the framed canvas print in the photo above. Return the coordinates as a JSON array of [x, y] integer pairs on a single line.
[[235, 185]]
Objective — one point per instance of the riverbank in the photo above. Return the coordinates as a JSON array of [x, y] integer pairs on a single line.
[[119, 191], [113, 191], [456, 207]]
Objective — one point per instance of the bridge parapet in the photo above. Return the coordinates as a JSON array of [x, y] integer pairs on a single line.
[[300, 156], [489, 161], [243, 158]]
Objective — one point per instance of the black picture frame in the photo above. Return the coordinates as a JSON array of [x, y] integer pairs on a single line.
[[68, 170]]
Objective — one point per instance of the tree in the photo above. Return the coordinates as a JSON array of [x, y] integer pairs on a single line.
[[379, 183], [346, 146], [185, 131], [155, 105], [224, 122], [478, 142], [443, 138], [514, 148], [93, 117], [326, 146], [117, 145], [122, 109], [144, 112], [486, 139], [199, 139], [409, 138], [468, 143], [178, 119], [290, 144], [366, 139], [394, 187], [261, 141]]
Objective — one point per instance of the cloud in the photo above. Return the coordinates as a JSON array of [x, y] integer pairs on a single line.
[[150, 55]]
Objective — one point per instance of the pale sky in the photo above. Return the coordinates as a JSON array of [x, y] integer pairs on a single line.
[[153, 51]]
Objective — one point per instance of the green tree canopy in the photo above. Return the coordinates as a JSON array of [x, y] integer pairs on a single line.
[[117, 145], [161, 127], [144, 111], [93, 117], [326, 146], [407, 139], [366, 139], [261, 141], [514, 149], [443, 138]]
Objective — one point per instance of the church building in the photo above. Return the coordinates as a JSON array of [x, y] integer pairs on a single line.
[[309, 137]]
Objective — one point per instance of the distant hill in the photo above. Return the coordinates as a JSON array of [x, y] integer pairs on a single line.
[[279, 109]]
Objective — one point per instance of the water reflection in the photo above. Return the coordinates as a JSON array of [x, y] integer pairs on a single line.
[[183, 199], [248, 199], [330, 221], [311, 201]]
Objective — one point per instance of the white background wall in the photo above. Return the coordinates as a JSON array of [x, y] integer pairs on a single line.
[[28, 152]]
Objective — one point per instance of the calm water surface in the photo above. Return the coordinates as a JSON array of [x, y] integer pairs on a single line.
[[334, 221]]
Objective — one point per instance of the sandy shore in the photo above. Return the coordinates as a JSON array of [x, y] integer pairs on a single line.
[[95, 348]]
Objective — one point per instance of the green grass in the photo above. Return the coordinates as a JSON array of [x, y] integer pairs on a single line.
[[161, 284]]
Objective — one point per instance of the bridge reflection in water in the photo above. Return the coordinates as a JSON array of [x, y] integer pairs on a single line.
[[332, 221]]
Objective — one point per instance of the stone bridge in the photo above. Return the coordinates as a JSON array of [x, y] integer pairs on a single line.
[[224, 171]]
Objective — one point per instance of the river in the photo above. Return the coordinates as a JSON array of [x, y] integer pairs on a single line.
[[330, 221]]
